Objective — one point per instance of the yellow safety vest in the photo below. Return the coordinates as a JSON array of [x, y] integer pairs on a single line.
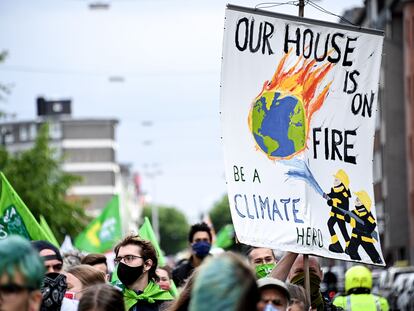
[[362, 302]]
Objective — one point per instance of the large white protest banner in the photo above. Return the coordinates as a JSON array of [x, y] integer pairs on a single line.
[[298, 105]]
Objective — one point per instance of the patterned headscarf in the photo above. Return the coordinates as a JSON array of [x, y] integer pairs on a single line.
[[53, 291]]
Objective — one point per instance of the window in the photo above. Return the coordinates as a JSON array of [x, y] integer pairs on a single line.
[[7, 135], [32, 131], [55, 130], [23, 133], [377, 167]]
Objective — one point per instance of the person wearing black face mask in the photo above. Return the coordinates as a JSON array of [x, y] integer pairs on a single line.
[[136, 261], [200, 239], [291, 267], [54, 283], [52, 258]]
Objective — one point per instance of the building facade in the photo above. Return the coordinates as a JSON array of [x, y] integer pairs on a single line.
[[393, 150], [89, 150]]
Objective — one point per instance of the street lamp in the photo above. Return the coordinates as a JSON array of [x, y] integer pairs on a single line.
[[151, 172], [99, 5]]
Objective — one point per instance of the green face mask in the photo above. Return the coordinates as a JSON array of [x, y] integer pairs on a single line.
[[263, 270], [315, 283]]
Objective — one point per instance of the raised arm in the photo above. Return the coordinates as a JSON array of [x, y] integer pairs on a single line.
[[281, 271]]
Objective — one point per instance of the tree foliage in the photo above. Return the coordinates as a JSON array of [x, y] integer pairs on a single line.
[[4, 89], [173, 228], [37, 177], [220, 213]]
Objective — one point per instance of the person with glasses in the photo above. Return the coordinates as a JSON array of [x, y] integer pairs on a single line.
[[136, 263], [21, 275]]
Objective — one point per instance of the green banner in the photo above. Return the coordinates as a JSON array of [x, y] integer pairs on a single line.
[[51, 237], [225, 237], [103, 232], [147, 233], [15, 217]]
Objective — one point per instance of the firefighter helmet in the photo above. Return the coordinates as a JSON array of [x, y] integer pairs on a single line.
[[357, 277], [364, 198], [343, 177]]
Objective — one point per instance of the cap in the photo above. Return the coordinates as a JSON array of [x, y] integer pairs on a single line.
[[41, 245], [272, 282]]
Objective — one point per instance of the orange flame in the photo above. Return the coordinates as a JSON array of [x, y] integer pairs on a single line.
[[301, 80]]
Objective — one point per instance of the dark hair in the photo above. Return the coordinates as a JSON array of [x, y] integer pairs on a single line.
[[102, 297], [197, 228], [182, 303], [147, 252], [93, 259]]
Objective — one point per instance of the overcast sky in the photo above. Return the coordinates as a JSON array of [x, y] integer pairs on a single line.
[[168, 53]]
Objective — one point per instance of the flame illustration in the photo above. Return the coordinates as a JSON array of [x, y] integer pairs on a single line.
[[300, 81]]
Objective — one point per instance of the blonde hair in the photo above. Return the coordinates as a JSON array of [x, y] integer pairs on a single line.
[[87, 275]]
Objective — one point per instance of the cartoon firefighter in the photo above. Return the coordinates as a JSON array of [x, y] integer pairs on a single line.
[[338, 199], [363, 232]]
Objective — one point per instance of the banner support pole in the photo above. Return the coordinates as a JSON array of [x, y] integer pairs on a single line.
[[307, 278], [305, 256], [301, 7]]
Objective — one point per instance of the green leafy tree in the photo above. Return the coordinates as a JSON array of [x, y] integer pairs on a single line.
[[220, 213], [4, 89], [37, 177], [173, 228]]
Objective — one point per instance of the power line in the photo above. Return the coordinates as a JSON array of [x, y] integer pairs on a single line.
[[266, 5], [323, 10], [52, 71]]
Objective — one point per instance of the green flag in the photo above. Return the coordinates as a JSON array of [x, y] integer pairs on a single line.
[[225, 237], [15, 217], [103, 232], [147, 233], [51, 237]]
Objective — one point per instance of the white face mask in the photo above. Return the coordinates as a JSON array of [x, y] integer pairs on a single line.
[[269, 307], [69, 304]]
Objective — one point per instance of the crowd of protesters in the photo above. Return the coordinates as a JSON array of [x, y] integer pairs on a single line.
[[34, 276]]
